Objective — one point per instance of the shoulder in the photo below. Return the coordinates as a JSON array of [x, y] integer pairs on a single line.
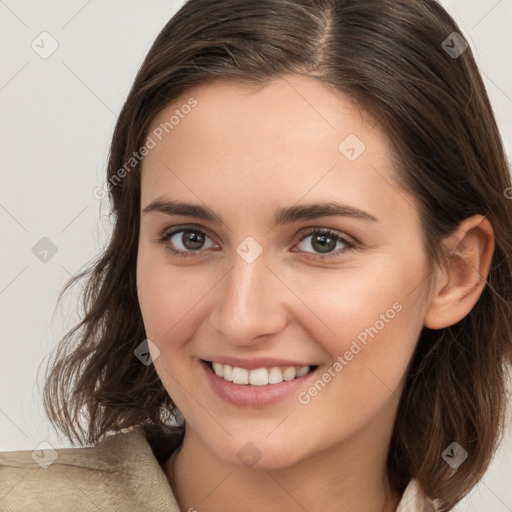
[[122, 472], [414, 500]]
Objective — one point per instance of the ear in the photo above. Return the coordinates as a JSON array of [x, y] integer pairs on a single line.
[[462, 279]]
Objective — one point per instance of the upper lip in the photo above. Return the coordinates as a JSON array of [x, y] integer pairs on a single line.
[[254, 362]]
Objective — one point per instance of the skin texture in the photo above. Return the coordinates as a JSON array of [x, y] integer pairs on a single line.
[[244, 152]]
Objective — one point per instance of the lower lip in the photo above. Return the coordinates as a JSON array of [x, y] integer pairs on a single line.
[[253, 396]]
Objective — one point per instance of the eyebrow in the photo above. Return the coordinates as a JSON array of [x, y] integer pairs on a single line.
[[284, 215]]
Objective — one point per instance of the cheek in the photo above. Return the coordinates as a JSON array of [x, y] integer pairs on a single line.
[[368, 321], [169, 297], [356, 302], [368, 375]]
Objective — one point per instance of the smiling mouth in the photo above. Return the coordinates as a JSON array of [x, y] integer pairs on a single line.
[[259, 376]]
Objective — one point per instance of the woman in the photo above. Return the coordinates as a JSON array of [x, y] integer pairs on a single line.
[[306, 300]]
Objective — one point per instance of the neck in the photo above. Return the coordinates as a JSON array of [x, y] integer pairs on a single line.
[[348, 477]]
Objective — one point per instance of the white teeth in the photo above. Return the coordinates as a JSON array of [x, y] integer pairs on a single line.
[[275, 376], [240, 375], [302, 371], [289, 373], [218, 369], [259, 376], [227, 372]]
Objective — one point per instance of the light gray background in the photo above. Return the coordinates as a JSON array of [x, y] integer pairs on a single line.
[[57, 117]]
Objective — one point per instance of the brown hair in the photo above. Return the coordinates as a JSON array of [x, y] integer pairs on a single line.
[[387, 55]]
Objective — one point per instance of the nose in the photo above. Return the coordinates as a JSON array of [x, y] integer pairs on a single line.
[[250, 304]]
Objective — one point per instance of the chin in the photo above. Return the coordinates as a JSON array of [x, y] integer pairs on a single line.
[[254, 452]]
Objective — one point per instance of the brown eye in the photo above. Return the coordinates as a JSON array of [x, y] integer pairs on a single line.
[[324, 242], [192, 240], [187, 241]]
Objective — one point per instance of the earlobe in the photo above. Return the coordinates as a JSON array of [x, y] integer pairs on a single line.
[[462, 279]]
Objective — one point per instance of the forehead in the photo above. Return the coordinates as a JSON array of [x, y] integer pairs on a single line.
[[292, 138], [291, 109]]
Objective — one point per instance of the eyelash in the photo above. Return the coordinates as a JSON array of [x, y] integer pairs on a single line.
[[315, 231]]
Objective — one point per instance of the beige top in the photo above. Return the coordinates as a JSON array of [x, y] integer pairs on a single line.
[[121, 473]]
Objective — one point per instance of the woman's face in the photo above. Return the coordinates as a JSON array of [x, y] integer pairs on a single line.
[[264, 279]]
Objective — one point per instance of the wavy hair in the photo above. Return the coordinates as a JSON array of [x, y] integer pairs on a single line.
[[388, 56]]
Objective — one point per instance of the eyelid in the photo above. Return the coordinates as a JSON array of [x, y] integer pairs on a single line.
[[349, 241], [311, 230], [170, 231]]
